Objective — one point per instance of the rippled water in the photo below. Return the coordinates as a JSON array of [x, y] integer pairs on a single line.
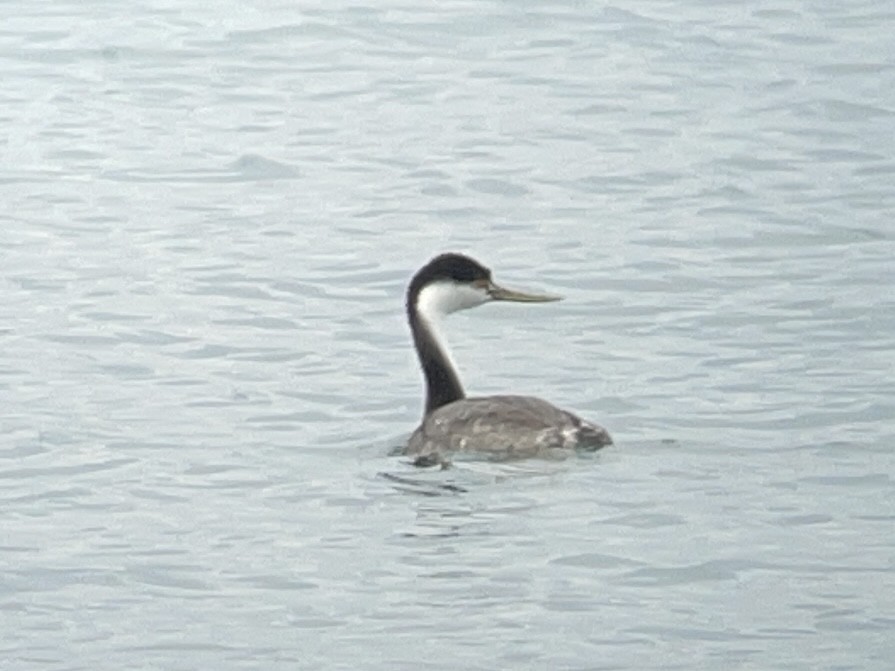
[[209, 216]]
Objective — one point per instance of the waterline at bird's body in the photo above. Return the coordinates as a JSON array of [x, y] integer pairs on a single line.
[[499, 427]]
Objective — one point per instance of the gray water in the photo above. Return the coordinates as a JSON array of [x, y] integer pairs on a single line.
[[209, 215]]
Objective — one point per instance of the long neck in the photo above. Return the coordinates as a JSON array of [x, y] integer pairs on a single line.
[[442, 383]]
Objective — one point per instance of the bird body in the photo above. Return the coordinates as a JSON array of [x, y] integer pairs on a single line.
[[496, 427], [502, 427]]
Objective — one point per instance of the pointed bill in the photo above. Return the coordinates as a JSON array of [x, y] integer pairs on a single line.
[[500, 294]]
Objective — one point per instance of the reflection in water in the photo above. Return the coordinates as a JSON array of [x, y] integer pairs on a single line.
[[417, 485]]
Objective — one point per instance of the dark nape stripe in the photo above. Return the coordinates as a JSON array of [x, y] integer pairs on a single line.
[[442, 383]]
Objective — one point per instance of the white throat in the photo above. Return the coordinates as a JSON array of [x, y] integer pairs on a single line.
[[442, 298]]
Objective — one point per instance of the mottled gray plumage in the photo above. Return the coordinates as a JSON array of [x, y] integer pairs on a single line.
[[502, 427]]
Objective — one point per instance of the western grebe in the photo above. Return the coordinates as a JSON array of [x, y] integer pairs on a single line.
[[502, 427]]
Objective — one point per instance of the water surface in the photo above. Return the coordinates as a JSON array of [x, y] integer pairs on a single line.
[[209, 217]]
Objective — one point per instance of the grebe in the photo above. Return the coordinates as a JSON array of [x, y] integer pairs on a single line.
[[498, 427]]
